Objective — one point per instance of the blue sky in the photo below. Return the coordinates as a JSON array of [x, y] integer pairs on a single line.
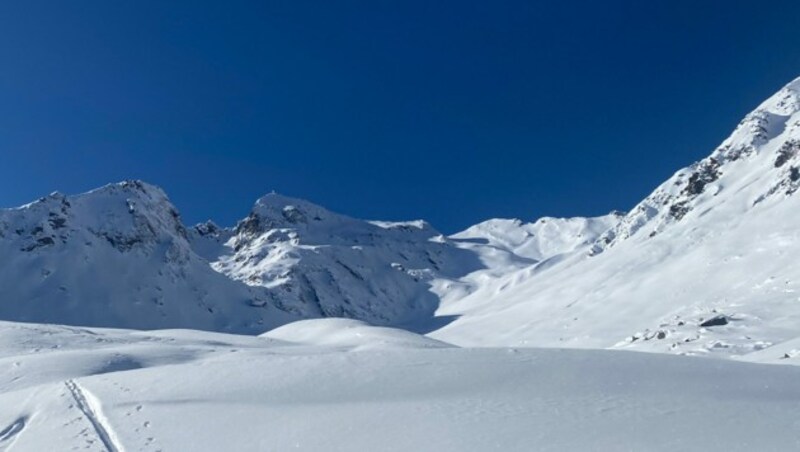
[[450, 111]]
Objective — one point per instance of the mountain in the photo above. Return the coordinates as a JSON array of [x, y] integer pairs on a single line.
[[705, 264], [120, 256], [315, 263]]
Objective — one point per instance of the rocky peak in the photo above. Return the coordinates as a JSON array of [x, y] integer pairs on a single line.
[[131, 212], [126, 215], [274, 211]]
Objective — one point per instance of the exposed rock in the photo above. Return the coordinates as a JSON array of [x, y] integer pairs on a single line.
[[707, 172], [719, 320], [786, 152]]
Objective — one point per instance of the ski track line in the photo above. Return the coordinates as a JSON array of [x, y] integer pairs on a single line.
[[92, 411], [9, 434]]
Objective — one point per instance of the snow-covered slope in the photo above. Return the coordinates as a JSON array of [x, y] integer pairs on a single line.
[[718, 239], [507, 246], [67, 388], [545, 238], [757, 163]]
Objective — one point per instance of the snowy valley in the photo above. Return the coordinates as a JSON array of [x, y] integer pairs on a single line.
[[122, 328]]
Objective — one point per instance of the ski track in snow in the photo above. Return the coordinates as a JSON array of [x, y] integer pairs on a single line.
[[9, 434], [95, 416]]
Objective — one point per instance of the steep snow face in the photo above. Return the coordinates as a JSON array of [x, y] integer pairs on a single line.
[[757, 162], [542, 239], [316, 263], [704, 265], [116, 256]]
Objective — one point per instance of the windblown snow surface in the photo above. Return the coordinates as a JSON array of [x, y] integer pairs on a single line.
[[304, 329]]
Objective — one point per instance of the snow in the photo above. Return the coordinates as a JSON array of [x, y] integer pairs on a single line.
[[191, 390], [543, 239], [351, 334]]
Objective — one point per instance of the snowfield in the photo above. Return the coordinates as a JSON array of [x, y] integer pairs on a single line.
[[340, 386]]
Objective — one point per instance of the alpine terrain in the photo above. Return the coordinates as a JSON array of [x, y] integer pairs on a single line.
[[122, 328]]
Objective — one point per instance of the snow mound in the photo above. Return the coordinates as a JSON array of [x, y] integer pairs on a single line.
[[347, 333]]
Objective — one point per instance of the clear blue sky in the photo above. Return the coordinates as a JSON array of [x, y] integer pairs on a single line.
[[452, 111]]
